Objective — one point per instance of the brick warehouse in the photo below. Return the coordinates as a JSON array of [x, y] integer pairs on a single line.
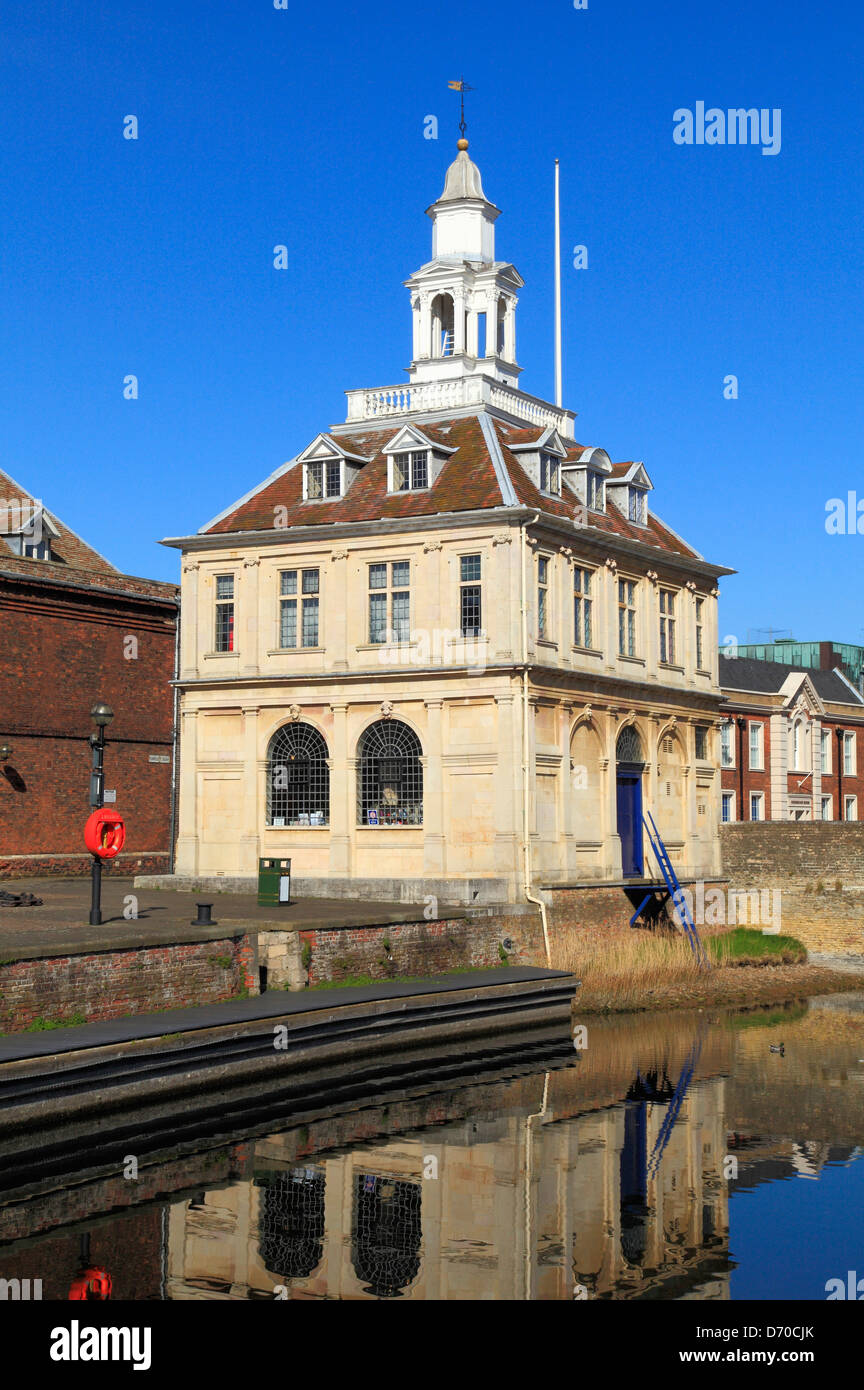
[[75, 629]]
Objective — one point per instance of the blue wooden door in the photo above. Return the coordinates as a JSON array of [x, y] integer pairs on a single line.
[[630, 821]]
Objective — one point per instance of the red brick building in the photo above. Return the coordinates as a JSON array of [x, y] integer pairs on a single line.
[[790, 744], [74, 630]]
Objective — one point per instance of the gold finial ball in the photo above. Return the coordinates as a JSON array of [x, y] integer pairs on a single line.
[[462, 144]]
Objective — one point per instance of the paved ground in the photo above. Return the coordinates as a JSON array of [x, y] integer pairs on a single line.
[[60, 925], [275, 1003]]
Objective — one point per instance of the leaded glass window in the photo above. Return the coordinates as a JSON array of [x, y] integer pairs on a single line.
[[628, 748], [298, 778], [389, 775]]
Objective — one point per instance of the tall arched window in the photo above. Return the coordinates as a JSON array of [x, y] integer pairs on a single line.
[[389, 775], [298, 778]]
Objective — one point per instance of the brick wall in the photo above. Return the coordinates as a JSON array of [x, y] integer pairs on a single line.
[[782, 853], [112, 984], [754, 779], [78, 865], [397, 949], [61, 652]]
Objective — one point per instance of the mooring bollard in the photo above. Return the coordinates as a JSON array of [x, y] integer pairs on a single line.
[[204, 919]]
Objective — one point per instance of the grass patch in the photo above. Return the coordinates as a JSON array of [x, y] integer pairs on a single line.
[[747, 946], [47, 1025], [348, 981]]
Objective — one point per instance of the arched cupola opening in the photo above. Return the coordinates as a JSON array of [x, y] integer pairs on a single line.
[[443, 326]]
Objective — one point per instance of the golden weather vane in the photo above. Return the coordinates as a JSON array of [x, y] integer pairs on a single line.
[[461, 87]]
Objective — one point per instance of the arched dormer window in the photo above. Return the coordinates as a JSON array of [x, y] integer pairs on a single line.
[[389, 775], [595, 491], [298, 778]]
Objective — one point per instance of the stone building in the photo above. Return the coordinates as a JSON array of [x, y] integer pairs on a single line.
[[790, 744], [76, 630], [446, 649]]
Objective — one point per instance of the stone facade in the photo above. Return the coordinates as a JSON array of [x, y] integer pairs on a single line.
[[448, 578]]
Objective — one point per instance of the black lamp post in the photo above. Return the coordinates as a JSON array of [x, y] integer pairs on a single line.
[[101, 714]]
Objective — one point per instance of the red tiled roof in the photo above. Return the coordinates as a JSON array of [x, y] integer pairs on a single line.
[[467, 482], [73, 561]]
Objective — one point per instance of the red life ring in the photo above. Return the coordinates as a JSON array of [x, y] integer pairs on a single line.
[[91, 1284], [105, 833]]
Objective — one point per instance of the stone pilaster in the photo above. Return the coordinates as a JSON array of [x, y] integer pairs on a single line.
[[187, 837], [253, 814], [251, 628], [434, 844], [191, 622], [341, 785]]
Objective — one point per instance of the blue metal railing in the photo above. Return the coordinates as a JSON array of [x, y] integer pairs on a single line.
[[676, 893]]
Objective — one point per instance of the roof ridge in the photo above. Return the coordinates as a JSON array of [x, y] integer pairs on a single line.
[[496, 455]]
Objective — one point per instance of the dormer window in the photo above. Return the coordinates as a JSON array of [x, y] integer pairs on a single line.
[[31, 549], [636, 506], [323, 478], [550, 474], [410, 471], [595, 491]]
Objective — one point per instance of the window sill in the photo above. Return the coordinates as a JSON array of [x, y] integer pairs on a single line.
[[635, 660], [546, 642], [220, 656], [294, 828], [670, 666], [387, 646], [294, 651], [389, 826], [586, 651]]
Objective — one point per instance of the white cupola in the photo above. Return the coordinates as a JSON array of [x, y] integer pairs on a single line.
[[463, 301]]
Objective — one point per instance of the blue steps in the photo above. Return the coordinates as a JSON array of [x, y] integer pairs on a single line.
[[676, 893]]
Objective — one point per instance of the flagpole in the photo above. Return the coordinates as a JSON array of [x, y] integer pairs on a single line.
[[558, 389]]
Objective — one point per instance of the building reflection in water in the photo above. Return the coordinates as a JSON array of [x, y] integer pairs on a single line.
[[535, 1201]]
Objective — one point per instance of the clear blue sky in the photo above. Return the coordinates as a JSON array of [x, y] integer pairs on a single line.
[[305, 127]]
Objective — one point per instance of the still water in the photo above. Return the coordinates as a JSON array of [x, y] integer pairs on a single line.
[[673, 1157]]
